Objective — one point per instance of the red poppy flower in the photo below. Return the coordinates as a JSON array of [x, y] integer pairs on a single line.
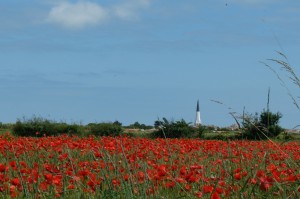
[[215, 195], [237, 176], [57, 179], [15, 181], [141, 176], [13, 164], [115, 182], [208, 189], [71, 186], [170, 184], [2, 168]]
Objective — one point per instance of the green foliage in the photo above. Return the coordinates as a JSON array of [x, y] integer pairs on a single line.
[[6, 126], [201, 130], [178, 129], [225, 136], [117, 123], [268, 118], [38, 127], [63, 128], [137, 125], [105, 129], [285, 136], [262, 127]]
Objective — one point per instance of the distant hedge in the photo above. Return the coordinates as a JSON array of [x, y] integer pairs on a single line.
[[37, 127], [105, 129], [176, 129]]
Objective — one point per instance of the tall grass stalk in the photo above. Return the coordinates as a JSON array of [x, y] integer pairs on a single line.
[[283, 63], [237, 116]]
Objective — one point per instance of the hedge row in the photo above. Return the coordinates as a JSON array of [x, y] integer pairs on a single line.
[[38, 127], [43, 127], [252, 129], [177, 129]]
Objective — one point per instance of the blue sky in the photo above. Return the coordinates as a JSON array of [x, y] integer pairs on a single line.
[[140, 60]]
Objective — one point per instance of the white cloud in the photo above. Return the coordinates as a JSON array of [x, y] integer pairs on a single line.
[[78, 15], [84, 13], [129, 9]]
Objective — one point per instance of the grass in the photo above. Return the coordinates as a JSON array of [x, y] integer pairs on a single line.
[[2, 130]]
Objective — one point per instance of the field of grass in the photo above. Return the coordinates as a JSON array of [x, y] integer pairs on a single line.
[[2, 131], [123, 167]]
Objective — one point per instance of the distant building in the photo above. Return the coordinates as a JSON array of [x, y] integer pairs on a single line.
[[198, 119]]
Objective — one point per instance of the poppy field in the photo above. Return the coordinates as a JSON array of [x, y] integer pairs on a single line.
[[123, 167]]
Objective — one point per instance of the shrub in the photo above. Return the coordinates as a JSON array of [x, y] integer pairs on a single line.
[[285, 136], [262, 127], [6, 125], [173, 129], [105, 129], [35, 126], [70, 129], [137, 125], [38, 127], [201, 130]]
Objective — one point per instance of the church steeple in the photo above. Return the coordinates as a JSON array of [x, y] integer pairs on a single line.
[[197, 120]]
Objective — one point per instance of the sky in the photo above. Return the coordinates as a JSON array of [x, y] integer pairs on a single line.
[[88, 61]]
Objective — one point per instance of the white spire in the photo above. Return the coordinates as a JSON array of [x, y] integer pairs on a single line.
[[197, 120]]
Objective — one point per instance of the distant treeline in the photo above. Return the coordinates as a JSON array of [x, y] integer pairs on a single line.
[[257, 127]]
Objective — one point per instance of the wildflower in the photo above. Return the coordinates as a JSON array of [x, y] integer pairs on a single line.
[[183, 170], [13, 165], [57, 180], [198, 194], [15, 182], [12, 191], [170, 184], [162, 170], [265, 183], [141, 176], [71, 186], [208, 189], [180, 180], [48, 177], [188, 187], [115, 182], [126, 177], [215, 195], [237, 176], [2, 168]]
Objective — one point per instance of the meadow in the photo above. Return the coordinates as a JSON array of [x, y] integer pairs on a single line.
[[173, 160], [122, 167]]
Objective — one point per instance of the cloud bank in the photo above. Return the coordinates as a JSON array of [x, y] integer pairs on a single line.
[[129, 10], [77, 15], [80, 14]]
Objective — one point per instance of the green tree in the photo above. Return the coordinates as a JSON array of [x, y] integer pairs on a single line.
[[268, 118], [117, 123], [264, 126], [137, 125], [105, 129], [174, 129]]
